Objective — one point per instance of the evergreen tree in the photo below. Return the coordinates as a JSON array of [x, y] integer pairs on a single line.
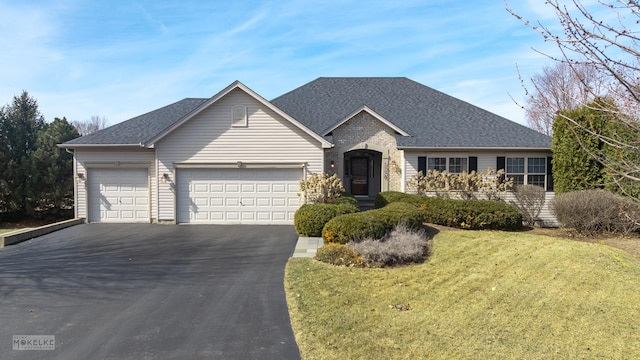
[[20, 123], [53, 167], [576, 145]]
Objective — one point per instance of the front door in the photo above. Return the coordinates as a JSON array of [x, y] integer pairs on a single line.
[[360, 176]]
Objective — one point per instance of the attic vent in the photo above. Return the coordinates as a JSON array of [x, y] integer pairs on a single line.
[[239, 115]]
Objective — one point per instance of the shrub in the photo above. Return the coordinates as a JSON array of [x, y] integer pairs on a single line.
[[488, 183], [345, 228], [472, 214], [396, 213], [320, 188], [373, 223], [401, 246], [338, 254], [464, 214], [387, 197], [309, 219], [594, 211], [347, 199], [529, 200]]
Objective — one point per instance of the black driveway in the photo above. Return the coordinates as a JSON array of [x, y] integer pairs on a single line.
[[149, 292]]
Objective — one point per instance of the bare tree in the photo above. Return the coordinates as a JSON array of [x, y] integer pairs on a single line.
[[90, 126], [559, 87], [610, 46]]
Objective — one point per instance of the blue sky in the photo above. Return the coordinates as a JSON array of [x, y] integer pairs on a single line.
[[120, 59]]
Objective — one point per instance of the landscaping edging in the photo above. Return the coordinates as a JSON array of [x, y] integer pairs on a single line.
[[21, 235]]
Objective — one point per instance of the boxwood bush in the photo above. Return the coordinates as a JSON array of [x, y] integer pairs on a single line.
[[309, 219], [370, 224], [463, 214]]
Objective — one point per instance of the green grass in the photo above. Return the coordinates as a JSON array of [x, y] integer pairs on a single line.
[[481, 295]]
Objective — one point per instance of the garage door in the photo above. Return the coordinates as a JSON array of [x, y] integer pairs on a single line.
[[118, 195], [237, 196]]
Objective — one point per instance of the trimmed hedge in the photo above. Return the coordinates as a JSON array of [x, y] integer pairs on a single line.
[[463, 214], [309, 219], [387, 197], [347, 199], [370, 224]]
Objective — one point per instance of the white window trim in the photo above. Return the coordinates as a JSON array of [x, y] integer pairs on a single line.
[[448, 164], [526, 172]]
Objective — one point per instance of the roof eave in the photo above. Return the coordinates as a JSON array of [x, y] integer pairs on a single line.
[[73, 146], [473, 148]]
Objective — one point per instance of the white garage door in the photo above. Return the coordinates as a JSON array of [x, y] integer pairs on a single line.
[[118, 195], [238, 196]]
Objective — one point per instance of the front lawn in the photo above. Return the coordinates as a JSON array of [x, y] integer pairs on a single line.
[[481, 295]]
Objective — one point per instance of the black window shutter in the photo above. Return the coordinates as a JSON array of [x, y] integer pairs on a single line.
[[473, 163], [422, 164], [500, 165], [549, 174]]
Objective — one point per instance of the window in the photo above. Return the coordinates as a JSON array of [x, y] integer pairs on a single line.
[[535, 174], [239, 116], [515, 170], [454, 165], [457, 165], [536, 170], [438, 164]]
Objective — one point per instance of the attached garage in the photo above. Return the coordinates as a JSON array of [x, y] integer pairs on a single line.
[[118, 195], [237, 195]]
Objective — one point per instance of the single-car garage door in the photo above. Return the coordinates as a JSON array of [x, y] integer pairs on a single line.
[[238, 196], [118, 195]]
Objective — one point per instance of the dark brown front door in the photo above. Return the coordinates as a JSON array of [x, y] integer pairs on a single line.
[[359, 176]]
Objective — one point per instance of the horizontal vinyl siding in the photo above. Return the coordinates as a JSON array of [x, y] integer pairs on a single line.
[[209, 138], [546, 215], [486, 160], [87, 158]]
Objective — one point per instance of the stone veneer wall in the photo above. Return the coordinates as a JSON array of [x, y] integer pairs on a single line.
[[361, 132]]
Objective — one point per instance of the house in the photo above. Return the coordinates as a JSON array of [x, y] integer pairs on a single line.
[[237, 157]]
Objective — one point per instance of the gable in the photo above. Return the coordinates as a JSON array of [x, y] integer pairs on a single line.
[[212, 136], [373, 114]]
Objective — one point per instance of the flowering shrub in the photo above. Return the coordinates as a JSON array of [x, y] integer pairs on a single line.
[[320, 189], [489, 183]]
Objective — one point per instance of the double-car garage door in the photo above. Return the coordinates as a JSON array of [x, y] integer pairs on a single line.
[[237, 196]]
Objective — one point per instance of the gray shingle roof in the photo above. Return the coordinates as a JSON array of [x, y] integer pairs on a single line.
[[434, 119], [141, 128]]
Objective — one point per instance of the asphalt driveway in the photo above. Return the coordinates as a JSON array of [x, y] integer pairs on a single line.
[[149, 292]]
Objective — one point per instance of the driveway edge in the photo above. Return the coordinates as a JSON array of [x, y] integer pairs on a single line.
[[21, 235]]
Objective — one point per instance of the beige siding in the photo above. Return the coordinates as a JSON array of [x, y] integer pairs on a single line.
[[209, 138], [85, 159], [486, 160]]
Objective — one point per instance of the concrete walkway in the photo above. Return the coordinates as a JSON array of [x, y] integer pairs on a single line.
[[307, 246]]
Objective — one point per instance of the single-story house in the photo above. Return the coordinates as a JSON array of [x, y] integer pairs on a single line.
[[237, 157]]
